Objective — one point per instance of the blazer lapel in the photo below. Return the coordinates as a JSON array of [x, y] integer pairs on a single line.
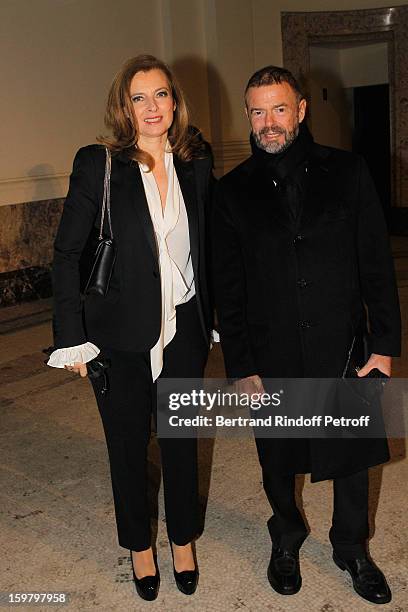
[[134, 184], [186, 177]]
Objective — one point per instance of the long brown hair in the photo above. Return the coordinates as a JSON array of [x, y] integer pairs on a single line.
[[185, 142]]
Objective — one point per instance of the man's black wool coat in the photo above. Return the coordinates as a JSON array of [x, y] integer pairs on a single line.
[[291, 294]]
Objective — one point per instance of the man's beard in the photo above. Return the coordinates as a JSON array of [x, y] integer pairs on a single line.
[[276, 147]]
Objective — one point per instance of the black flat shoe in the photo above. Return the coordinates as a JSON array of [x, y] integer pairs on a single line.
[[368, 580], [284, 571], [148, 587], [187, 580]]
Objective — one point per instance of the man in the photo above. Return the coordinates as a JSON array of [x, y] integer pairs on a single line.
[[300, 249]]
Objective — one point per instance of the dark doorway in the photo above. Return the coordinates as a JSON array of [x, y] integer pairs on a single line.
[[371, 136]]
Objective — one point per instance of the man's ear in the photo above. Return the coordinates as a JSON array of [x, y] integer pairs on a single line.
[[302, 110]]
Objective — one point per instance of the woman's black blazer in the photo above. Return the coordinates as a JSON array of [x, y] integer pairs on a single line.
[[129, 317]]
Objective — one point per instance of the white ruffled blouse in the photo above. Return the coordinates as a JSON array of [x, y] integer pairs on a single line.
[[176, 270], [173, 248]]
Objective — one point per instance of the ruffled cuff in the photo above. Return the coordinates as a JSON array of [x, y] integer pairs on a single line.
[[73, 354]]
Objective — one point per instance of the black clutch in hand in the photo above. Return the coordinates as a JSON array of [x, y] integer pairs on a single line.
[[357, 357], [97, 368], [376, 373], [380, 380]]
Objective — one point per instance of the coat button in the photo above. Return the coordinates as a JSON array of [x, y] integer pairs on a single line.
[[302, 283], [305, 324]]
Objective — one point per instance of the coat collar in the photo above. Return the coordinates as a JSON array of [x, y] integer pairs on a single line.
[[319, 176], [318, 157]]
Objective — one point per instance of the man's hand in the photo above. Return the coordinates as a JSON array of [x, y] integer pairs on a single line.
[[78, 368], [250, 385], [381, 362]]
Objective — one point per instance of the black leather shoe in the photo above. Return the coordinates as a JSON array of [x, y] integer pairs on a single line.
[[187, 580], [368, 580], [284, 571], [148, 587]]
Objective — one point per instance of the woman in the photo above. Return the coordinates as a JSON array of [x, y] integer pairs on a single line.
[[155, 319]]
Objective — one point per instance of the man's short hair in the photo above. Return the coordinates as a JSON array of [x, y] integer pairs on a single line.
[[274, 75]]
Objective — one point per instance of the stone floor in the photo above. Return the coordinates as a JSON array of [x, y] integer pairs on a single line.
[[57, 526]]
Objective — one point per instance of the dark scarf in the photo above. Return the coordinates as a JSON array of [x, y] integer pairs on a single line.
[[287, 171]]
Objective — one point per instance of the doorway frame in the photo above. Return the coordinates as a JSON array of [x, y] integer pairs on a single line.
[[301, 30]]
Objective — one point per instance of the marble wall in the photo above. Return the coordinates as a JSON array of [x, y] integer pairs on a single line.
[[26, 244]]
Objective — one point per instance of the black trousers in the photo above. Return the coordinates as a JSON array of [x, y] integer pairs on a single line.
[[349, 530], [126, 413]]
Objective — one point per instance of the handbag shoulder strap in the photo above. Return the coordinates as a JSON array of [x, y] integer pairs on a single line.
[[106, 196]]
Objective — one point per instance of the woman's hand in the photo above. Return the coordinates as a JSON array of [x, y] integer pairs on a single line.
[[78, 368]]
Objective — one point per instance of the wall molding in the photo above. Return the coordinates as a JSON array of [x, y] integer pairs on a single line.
[[24, 189], [229, 153]]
